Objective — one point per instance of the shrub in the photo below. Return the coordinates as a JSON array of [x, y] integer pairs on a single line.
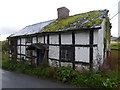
[[10, 65], [22, 66], [51, 72], [65, 74], [41, 69]]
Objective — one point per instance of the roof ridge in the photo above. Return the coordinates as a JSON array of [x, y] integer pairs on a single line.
[[89, 12]]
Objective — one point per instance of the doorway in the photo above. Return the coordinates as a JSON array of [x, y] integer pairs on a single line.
[[40, 56]]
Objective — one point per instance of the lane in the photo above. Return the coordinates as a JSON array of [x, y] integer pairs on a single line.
[[16, 80]]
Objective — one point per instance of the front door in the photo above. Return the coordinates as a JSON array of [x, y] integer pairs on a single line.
[[40, 56]]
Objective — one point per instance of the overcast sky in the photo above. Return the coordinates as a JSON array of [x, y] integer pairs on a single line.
[[16, 14]]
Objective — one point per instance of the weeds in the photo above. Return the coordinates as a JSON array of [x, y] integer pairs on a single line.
[[66, 74]]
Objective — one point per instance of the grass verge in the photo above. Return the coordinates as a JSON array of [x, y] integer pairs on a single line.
[[66, 75]]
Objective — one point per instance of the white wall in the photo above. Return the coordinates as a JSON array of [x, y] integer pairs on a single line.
[[95, 37], [34, 53], [18, 56], [34, 40], [18, 41], [54, 39], [23, 49], [18, 49], [82, 54], [95, 53], [101, 36], [54, 52], [46, 39], [66, 38], [23, 41], [41, 39], [82, 37]]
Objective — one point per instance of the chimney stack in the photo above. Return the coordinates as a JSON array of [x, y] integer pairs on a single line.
[[63, 12]]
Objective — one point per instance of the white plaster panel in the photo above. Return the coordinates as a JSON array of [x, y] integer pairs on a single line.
[[66, 64], [18, 56], [54, 52], [95, 36], [101, 42], [66, 38], [53, 63], [23, 50], [34, 53], [34, 40], [10, 51], [41, 39], [18, 49], [28, 43], [81, 68], [18, 41], [45, 39], [82, 54], [82, 37], [54, 39], [95, 53], [10, 41], [10, 55], [23, 41]]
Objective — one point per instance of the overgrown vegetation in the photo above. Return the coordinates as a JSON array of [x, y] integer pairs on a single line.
[[85, 20], [5, 48], [66, 75]]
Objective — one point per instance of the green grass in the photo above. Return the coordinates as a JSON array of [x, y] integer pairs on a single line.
[[115, 45]]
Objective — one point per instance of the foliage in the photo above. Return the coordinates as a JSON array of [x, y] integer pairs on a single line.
[[15, 66], [67, 74], [5, 48], [41, 69], [51, 72]]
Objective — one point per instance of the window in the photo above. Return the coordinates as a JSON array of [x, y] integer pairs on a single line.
[[29, 40], [66, 53]]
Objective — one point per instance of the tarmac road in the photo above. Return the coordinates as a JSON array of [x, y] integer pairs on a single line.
[[16, 80]]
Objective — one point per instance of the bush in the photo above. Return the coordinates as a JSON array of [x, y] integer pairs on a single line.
[[41, 69], [66, 74], [9, 65], [51, 72], [22, 66]]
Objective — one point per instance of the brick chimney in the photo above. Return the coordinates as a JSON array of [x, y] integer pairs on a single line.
[[63, 12]]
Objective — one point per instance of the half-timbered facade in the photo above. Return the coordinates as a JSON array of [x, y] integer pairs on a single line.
[[80, 41]]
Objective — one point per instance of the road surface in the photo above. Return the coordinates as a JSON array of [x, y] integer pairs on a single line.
[[16, 80]]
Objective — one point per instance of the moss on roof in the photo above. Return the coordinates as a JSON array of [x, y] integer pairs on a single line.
[[91, 19]]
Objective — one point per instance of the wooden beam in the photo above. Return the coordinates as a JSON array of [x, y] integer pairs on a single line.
[[59, 49], [91, 37]]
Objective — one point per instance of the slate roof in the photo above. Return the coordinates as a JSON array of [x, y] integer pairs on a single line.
[[32, 29], [92, 19]]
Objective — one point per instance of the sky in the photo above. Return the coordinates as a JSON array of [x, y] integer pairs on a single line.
[[17, 14]]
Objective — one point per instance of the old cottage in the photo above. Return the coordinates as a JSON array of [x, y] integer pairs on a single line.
[[80, 41]]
